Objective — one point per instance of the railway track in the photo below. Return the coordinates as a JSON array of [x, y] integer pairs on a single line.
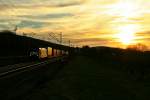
[[4, 61], [11, 69], [22, 78]]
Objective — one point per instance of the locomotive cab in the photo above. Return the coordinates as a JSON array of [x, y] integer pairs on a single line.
[[33, 54]]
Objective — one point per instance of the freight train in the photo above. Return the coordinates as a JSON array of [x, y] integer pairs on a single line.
[[44, 53]]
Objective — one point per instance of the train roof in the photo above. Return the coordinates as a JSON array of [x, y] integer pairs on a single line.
[[10, 38]]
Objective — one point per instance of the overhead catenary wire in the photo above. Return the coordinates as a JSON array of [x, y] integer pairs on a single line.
[[60, 40], [52, 35], [14, 10]]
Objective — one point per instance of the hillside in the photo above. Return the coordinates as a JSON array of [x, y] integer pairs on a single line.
[[87, 79]]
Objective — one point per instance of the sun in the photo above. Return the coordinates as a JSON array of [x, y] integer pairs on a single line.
[[126, 34]]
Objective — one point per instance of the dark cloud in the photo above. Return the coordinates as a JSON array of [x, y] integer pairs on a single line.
[[33, 24], [94, 41], [40, 3], [69, 4], [143, 36], [48, 16], [3, 27], [8, 24], [91, 40], [143, 33], [28, 22]]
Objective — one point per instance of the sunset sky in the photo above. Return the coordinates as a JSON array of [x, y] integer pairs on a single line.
[[114, 23]]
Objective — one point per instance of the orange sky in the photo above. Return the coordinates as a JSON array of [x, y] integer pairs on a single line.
[[114, 23]]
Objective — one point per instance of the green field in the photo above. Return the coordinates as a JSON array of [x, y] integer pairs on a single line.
[[84, 78]]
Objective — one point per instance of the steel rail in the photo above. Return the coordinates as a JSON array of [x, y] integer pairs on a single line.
[[52, 60]]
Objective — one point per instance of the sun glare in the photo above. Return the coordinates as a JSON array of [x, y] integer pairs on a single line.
[[126, 34], [125, 9]]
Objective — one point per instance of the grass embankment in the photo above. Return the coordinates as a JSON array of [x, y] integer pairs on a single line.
[[86, 79]]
